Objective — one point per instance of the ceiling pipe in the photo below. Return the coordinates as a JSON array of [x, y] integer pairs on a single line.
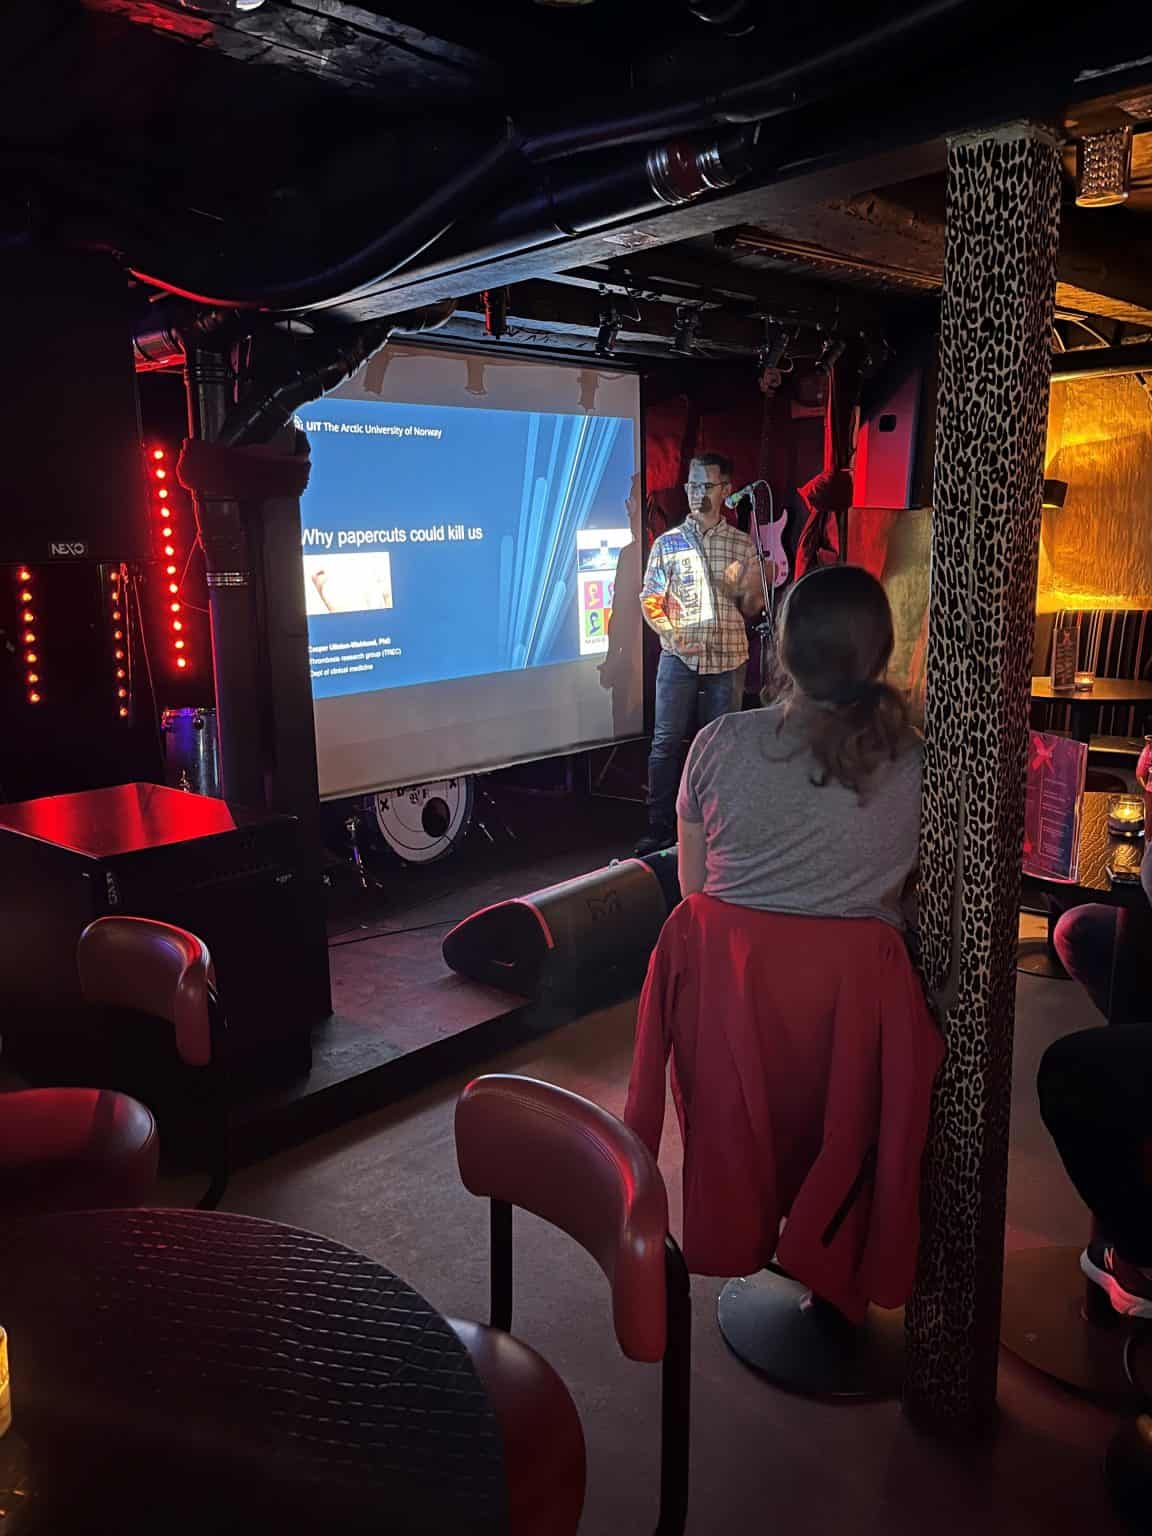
[[403, 239], [595, 191], [317, 368], [1102, 362], [645, 116]]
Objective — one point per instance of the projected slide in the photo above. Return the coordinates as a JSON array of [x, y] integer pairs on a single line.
[[471, 565], [443, 542]]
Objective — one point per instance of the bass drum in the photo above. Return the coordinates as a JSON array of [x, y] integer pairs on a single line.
[[423, 822]]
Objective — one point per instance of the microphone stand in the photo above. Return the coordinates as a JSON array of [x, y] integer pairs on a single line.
[[765, 626]]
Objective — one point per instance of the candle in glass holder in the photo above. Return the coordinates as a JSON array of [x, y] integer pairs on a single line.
[[1126, 815], [1085, 681]]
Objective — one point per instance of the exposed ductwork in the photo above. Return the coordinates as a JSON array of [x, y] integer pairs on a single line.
[[316, 369], [592, 192]]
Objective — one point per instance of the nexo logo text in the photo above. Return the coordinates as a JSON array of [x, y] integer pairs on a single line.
[[74, 550]]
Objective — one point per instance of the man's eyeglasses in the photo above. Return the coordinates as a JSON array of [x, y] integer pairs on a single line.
[[705, 485]]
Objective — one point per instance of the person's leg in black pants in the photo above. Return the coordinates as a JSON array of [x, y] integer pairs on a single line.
[[1096, 1099], [1108, 950]]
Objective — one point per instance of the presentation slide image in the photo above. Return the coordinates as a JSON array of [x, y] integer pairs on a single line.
[[597, 553], [359, 583], [475, 529]]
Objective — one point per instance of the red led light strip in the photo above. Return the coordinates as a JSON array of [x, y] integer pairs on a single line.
[[164, 511], [29, 632]]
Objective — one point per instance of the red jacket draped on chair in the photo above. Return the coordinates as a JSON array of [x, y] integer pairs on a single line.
[[803, 1059]]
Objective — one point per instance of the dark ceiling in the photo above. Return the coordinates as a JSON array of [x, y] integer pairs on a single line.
[[214, 150]]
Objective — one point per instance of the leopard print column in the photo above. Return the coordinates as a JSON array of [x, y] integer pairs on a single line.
[[996, 328]]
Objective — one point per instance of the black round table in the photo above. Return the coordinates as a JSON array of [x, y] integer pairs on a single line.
[[203, 1371], [1104, 691]]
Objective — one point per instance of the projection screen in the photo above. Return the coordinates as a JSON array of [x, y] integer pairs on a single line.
[[472, 566]]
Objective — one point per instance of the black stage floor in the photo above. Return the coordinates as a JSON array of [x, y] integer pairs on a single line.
[[401, 1019]]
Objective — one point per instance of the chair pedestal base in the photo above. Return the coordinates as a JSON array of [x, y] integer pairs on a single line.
[[802, 1345], [1061, 1324]]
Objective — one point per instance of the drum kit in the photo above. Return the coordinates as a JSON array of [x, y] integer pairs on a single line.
[[415, 824]]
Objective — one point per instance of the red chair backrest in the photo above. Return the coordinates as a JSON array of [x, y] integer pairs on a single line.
[[154, 968], [567, 1160]]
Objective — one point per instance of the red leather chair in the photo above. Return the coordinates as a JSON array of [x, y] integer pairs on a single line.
[[528, 1144], [88, 1148]]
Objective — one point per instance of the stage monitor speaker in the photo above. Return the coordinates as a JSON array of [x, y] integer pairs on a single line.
[[584, 937], [232, 877], [887, 445], [72, 479]]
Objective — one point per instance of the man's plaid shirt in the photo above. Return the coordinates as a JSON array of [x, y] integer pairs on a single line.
[[686, 594]]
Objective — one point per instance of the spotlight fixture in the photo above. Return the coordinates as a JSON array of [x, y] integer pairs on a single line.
[[1103, 168], [687, 327], [1055, 492], [612, 317]]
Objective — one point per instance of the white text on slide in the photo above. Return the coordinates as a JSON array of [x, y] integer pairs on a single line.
[[366, 538]]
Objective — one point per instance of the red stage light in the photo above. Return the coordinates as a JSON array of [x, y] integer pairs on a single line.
[[31, 656], [121, 693], [33, 697], [173, 588], [174, 607], [117, 615], [176, 624], [161, 474], [169, 570], [179, 644], [180, 662], [29, 616], [123, 712], [163, 494], [24, 574], [120, 672], [29, 637], [169, 551], [25, 597], [166, 533], [157, 453], [33, 677], [117, 634], [119, 655]]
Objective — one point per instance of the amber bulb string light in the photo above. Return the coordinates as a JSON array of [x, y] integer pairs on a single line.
[[27, 598]]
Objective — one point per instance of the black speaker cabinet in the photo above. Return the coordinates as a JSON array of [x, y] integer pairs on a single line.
[[142, 850], [72, 478], [585, 937]]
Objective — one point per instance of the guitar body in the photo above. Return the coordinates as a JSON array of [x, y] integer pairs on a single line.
[[771, 530]]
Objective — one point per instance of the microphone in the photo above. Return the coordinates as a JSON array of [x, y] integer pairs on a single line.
[[744, 494]]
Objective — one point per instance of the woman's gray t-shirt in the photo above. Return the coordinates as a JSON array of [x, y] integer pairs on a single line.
[[777, 841]]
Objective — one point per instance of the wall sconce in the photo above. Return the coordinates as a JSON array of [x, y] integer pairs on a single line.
[[1055, 492], [1103, 168]]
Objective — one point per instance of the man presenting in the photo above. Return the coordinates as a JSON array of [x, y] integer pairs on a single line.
[[702, 578]]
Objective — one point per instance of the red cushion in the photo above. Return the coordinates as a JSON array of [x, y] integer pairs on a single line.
[[544, 1460], [74, 1149]]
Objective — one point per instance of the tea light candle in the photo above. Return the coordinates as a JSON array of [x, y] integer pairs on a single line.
[[1085, 681], [1126, 815]]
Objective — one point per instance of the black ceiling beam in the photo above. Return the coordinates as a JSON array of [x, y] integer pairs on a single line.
[[739, 206], [1102, 362]]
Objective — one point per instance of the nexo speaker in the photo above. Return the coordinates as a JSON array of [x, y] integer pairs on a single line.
[[584, 937], [72, 482]]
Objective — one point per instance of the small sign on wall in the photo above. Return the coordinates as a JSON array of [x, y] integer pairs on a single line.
[[1065, 649]]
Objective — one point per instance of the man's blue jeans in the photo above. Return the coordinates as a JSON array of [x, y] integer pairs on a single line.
[[677, 690]]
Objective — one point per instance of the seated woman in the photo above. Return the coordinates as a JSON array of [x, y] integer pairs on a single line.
[[811, 805], [803, 1052]]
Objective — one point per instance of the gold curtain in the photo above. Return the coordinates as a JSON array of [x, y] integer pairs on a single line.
[[1096, 551]]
